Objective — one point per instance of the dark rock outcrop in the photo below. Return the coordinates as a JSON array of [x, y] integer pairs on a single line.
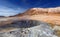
[[28, 28]]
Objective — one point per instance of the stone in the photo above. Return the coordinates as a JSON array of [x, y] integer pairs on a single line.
[[37, 29]]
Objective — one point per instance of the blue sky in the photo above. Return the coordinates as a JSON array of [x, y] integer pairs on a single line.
[[13, 7]]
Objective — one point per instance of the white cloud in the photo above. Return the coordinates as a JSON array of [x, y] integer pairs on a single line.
[[6, 11]]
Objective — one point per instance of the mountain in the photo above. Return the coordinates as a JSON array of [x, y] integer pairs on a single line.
[[32, 21], [37, 11], [49, 15], [33, 11], [2, 16]]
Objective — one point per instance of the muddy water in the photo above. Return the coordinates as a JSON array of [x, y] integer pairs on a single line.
[[27, 28]]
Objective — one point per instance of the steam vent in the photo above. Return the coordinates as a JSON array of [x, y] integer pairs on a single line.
[[35, 22]]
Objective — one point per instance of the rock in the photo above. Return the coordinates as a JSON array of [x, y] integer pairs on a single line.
[[37, 29], [34, 23]]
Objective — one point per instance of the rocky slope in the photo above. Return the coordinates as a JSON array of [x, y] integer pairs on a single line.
[[31, 23], [49, 15], [37, 11], [27, 28]]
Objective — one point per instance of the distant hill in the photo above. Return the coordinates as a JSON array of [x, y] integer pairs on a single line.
[[37, 11], [2, 16]]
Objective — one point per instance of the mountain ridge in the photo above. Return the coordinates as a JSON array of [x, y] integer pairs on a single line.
[[36, 11]]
